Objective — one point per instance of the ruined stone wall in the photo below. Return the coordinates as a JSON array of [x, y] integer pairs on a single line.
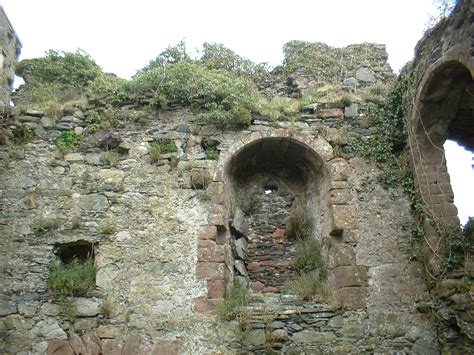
[[10, 47], [169, 237], [167, 258], [442, 108]]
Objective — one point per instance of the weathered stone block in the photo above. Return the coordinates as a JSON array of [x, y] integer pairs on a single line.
[[208, 250], [112, 347], [216, 190], [351, 298], [241, 248], [85, 324], [342, 217], [94, 202], [330, 113], [339, 169], [167, 347], [210, 270], [352, 110], [309, 336], [77, 345], [59, 347], [85, 307], [365, 74], [341, 255], [208, 232], [339, 196], [347, 276], [334, 184], [203, 305], [239, 223], [254, 337], [216, 288]]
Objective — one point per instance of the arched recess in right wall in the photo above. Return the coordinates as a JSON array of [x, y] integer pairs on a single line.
[[444, 110]]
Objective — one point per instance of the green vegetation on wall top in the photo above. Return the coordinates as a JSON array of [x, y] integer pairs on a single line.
[[220, 86]]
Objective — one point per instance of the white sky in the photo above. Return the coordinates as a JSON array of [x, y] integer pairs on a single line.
[[123, 36]]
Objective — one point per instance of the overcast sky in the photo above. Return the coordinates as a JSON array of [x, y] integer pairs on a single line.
[[123, 36]]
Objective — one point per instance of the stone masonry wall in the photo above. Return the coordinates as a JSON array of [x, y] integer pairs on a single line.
[[148, 265], [10, 47]]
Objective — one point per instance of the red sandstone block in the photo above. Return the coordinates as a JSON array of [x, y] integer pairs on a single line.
[[208, 250], [208, 232], [269, 289], [279, 233], [254, 265], [216, 289], [342, 217], [210, 271], [351, 298], [257, 286], [59, 347], [341, 254], [203, 305], [348, 276]]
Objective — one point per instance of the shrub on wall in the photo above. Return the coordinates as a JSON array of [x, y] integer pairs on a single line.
[[58, 76]]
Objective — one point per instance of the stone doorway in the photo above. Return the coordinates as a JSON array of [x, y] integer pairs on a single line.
[[270, 179], [445, 112]]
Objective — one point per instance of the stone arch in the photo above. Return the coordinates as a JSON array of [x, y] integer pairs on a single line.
[[311, 171], [444, 110]]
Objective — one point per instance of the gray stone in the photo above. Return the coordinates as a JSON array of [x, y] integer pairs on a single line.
[[85, 324], [352, 110], [6, 308], [254, 337], [241, 248], [28, 309], [94, 202], [182, 128], [35, 113], [310, 108], [312, 336], [79, 130], [74, 157], [350, 82], [424, 347], [63, 126], [277, 324], [280, 335], [48, 122], [104, 139], [240, 267], [49, 329], [72, 119], [51, 309], [86, 307], [365, 74], [239, 223], [17, 154]]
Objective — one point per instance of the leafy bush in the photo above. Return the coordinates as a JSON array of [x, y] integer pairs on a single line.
[[154, 152], [109, 157], [327, 63], [298, 225], [212, 153], [68, 279], [58, 76], [217, 56], [309, 258], [167, 146], [42, 226], [66, 140], [230, 307], [305, 285], [22, 134], [223, 97]]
